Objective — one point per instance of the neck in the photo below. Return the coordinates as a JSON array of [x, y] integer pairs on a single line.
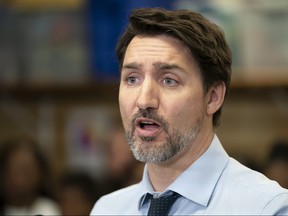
[[163, 174]]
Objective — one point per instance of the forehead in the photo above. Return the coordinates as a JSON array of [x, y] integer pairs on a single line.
[[160, 43], [161, 48]]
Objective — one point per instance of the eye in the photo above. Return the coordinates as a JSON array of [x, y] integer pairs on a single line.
[[169, 82], [131, 80]]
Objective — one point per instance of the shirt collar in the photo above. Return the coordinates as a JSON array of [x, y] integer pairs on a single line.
[[198, 181], [145, 187]]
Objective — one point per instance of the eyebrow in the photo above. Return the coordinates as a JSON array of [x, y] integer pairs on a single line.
[[157, 65], [132, 65], [166, 66]]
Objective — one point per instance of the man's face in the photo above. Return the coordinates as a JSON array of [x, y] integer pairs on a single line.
[[161, 97]]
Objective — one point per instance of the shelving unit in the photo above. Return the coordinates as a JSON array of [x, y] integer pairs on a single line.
[[253, 115]]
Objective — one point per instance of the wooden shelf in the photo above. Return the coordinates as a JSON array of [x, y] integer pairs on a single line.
[[99, 90], [89, 90], [260, 79]]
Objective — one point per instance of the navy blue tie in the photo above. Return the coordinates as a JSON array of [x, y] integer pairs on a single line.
[[162, 205]]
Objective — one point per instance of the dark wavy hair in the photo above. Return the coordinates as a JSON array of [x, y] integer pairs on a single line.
[[204, 39]]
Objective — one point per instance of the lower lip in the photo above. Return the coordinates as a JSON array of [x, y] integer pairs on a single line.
[[147, 132]]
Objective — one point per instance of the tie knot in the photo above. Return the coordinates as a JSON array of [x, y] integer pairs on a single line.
[[162, 205]]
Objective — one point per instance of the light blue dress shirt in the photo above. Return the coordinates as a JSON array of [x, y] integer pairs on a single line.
[[214, 184]]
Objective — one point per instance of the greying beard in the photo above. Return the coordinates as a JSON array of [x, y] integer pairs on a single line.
[[146, 151]]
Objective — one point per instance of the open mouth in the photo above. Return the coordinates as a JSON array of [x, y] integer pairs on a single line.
[[147, 124]]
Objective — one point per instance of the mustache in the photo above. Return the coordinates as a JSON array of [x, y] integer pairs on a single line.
[[151, 114]]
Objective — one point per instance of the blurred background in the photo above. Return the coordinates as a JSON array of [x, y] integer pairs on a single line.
[[59, 84]]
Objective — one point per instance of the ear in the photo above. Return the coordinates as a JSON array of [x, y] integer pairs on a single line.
[[215, 97]]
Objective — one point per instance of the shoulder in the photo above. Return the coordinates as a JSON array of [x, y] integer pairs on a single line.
[[245, 177], [123, 201], [126, 192], [46, 206], [252, 188]]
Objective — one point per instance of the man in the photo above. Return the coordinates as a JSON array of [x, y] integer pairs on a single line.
[[175, 72]]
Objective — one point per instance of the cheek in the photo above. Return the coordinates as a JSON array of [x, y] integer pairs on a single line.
[[186, 112]]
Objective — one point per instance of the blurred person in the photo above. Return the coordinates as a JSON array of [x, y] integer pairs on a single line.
[[77, 193], [24, 176], [277, 163], [121, 165], [175, 73]]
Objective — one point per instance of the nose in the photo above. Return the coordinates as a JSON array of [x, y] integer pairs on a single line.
[[148, 97]]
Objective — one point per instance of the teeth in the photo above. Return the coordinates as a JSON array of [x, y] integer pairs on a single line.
[[147, 123]]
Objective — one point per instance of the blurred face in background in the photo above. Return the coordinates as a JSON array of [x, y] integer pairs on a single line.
[[120, 156], [161, 97], [73, 201], [21, 177]]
